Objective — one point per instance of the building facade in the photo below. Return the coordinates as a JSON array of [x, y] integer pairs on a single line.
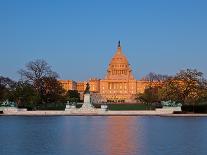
[[119, 84], [68, 84]]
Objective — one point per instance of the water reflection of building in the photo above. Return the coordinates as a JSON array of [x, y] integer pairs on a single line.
[[122, 138], [119, 84]]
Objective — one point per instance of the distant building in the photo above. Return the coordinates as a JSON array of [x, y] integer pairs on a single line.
[[68, 84], [81, 86], [94, 85], [119, 84]]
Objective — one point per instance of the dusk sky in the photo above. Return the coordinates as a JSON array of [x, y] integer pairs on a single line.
[[78, 38]]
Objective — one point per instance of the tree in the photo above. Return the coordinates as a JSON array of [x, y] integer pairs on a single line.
[[5, 85], [153, 77], [23, 94], [52, 90], [73, 96], [191, 85], [187, 87], [3, 93], [35, 73], [170, 91], [7, 82], [149, 96], [36, 70]]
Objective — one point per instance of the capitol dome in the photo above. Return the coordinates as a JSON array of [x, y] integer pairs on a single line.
[[119, 67], [119, 57]]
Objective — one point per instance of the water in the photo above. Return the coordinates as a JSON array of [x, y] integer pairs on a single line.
[[66, 135]]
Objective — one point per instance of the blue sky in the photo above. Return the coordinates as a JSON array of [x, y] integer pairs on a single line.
[[78, 38]]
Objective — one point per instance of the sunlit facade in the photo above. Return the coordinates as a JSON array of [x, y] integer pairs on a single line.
[[119, 84], [68, 84]]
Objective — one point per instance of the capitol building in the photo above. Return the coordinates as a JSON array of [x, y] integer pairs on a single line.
[[118, 86]]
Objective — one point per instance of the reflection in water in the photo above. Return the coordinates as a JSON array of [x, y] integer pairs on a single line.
[[102, 135], [120, 136]]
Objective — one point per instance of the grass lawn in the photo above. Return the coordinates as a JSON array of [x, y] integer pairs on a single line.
[[123, 106], [113, 107], [129, 107]]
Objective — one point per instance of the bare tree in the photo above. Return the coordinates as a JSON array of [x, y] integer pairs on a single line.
[[36, 70], [35, 73], [151, 77]]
